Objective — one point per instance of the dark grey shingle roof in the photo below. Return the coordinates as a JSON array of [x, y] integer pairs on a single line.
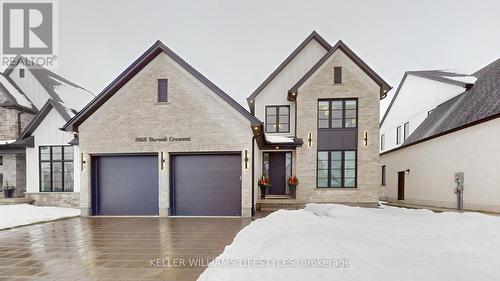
[[479, 102]]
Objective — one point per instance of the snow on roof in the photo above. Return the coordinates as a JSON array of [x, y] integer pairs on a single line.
[[465, 79], [18, 96], [72, 97], [278, 139]]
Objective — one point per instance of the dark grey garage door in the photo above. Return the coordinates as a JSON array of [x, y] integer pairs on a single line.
[[206, 185], [125, 185]]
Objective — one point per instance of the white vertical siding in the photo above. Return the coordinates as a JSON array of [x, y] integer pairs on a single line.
[[30, 86], [276, 92], [47, 133], [416, 97]]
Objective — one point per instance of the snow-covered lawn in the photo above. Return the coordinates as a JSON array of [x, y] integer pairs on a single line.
[[336, 242], [23, 214]]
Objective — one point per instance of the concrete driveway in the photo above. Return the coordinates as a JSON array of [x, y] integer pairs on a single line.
[[115, 248]]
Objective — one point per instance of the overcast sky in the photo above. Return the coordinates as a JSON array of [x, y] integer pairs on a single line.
[[237, 44]]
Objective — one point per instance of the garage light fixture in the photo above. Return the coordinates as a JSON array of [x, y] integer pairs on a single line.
[[365, 138], [162, 161], [309, 139], [246, 159], [83, 162]]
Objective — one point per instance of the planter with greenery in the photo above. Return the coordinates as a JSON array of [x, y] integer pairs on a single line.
[[8, 190], [264, 183], [293, 181]]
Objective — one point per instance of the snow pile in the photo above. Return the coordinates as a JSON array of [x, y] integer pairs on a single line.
[[463, 79], [369, 244], [18, 96], [16, 215], [73, 97], [278, 139]]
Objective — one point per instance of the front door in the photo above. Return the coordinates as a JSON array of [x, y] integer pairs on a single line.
[[401, 185], [277, 173], [278, 167]]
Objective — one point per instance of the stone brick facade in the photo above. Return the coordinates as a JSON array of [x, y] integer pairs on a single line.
[[355, 84], [59, 199], [192, 110], [13, 170]]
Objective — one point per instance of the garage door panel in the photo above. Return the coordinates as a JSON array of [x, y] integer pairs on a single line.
[[207, 185], [126, 185]]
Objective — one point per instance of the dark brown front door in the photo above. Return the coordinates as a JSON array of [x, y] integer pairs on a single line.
[[401, 185], [277, 173]]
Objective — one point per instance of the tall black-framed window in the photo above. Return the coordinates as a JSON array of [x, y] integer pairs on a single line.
[[337, 113], [1, 160], [406, 130], [383, 174], [336, 169], [56, 168], [21, 73], [278, 119], [398, 135]]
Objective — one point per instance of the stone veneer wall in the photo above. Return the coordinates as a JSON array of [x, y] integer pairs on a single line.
[[14, 172], [355, 84], [59, 199]]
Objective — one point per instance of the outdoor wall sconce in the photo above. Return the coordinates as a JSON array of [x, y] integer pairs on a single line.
[[407, 172], [83, 162], [277, 147], [309, 139], [365, 138], [162, 161], [246, 159]]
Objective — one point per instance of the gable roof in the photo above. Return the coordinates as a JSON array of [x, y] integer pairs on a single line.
[[16, 97], [384, 86], [313, 36], [70, 95], [44, 111], [478, 104], [444, 76], [134, 68]]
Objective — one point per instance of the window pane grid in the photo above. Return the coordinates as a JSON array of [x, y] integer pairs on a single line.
[[336, 169], [337, 113], [56, 168], [277, 119]]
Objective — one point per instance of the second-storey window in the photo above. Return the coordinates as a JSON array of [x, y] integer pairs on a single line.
[[278, 119], [382, 142], [162, 90], [406, 131], [398, 135], [337, 113]]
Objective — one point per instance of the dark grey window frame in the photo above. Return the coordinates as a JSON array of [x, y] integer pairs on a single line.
[[384, 171], [406, 130], [1, 160], [277, 118], [21, 73], [1, 180], [342, 169], [330, 113], [337, 75], [398, 135], [382, 142], [160, 94], [51, 161]]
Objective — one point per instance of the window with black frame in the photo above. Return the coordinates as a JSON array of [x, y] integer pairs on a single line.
[[336, 169], [337, 113], [56, 168], [278, 119]]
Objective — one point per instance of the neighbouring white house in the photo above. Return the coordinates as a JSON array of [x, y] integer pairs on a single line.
[[452, 131], [37, 103]]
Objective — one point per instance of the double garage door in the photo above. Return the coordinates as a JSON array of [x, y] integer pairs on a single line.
[[200, 185]]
